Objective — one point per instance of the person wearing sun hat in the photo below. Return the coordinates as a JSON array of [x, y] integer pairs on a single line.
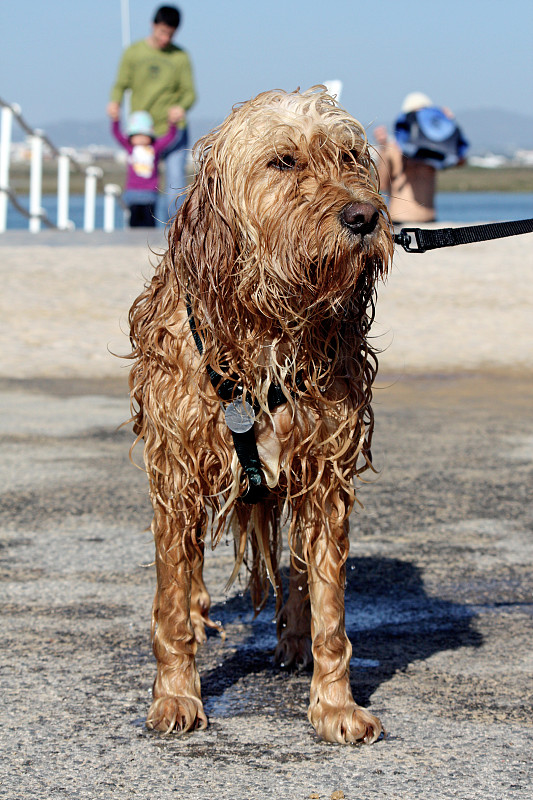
[[426, 139], [144, 151]]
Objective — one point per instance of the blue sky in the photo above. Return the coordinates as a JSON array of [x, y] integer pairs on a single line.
[[60, 58]]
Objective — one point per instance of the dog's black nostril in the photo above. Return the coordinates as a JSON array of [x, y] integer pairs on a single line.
[[360, 217]]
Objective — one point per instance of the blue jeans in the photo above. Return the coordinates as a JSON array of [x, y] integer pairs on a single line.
[[175, 156]]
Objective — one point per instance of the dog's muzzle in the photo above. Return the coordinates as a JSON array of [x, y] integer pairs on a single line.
[[360, 218]]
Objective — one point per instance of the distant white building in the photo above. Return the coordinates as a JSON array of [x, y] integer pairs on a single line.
[[524, 157], [490, 161]]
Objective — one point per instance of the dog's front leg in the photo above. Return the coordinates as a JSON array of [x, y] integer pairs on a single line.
[[177, 703], [332, 710]]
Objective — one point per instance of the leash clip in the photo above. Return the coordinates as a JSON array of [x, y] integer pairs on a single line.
[[404, 239]]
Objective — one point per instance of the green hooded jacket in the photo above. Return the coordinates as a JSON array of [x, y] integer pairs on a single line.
[[158, 79]]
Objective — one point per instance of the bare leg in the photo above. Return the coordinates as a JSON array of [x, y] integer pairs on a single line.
[[332, 710], [177, 703]]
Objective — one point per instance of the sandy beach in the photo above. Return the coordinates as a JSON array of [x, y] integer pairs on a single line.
[[65, 300]]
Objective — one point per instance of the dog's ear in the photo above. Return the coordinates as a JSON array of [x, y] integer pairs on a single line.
[[204, 236]]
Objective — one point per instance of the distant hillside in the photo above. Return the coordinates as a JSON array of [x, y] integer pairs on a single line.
[[496, 131], [78, 133], [487, 130]]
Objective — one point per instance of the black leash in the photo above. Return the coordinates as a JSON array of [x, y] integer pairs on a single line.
[[418, 240]]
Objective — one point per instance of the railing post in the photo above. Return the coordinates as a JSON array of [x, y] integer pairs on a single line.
[[36, 181], [5, 156], [91, 177], [334, 88], [63, 181], [111, 191]]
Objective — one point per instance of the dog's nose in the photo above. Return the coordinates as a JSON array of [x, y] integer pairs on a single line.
[[360, 217]]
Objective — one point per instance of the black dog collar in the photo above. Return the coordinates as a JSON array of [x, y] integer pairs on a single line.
[[240, 416]]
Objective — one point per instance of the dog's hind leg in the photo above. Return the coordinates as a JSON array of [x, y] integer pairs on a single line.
[[332, 710], [177, 703], [294, 619], [200, 600]]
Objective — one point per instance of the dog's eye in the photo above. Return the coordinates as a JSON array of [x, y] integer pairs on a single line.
[[350, 157], [283, 163]]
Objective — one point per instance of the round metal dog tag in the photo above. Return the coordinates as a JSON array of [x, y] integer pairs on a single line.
[[240, 416]]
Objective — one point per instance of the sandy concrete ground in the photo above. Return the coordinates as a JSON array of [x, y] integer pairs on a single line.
[[440, 584], [63, 308]]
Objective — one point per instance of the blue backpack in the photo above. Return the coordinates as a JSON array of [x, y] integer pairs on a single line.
[[430, 136]]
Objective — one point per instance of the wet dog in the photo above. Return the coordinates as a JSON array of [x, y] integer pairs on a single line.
[[251, 388]]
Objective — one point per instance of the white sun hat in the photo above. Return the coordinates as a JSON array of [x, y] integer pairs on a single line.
[[415, 101]]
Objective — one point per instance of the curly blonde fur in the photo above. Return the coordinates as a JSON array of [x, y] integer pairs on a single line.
[[276, 249]]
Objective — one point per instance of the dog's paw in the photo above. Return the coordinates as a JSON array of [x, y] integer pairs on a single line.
[[349, 725], [294, 652], [178, 714]]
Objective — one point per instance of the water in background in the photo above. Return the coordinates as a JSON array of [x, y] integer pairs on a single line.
[[456, 207], [467, 207], [17, 221]]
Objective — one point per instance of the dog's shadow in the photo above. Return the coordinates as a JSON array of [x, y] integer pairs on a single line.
[[390, 620]]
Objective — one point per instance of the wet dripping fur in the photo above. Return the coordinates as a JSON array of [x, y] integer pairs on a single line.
[[274, 254]]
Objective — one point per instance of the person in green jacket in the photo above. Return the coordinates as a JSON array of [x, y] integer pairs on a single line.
[[159, 75]]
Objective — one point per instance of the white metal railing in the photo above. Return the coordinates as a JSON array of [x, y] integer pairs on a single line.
[[36, 215]]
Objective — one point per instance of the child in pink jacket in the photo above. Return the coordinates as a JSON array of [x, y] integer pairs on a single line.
[[142, 179]]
